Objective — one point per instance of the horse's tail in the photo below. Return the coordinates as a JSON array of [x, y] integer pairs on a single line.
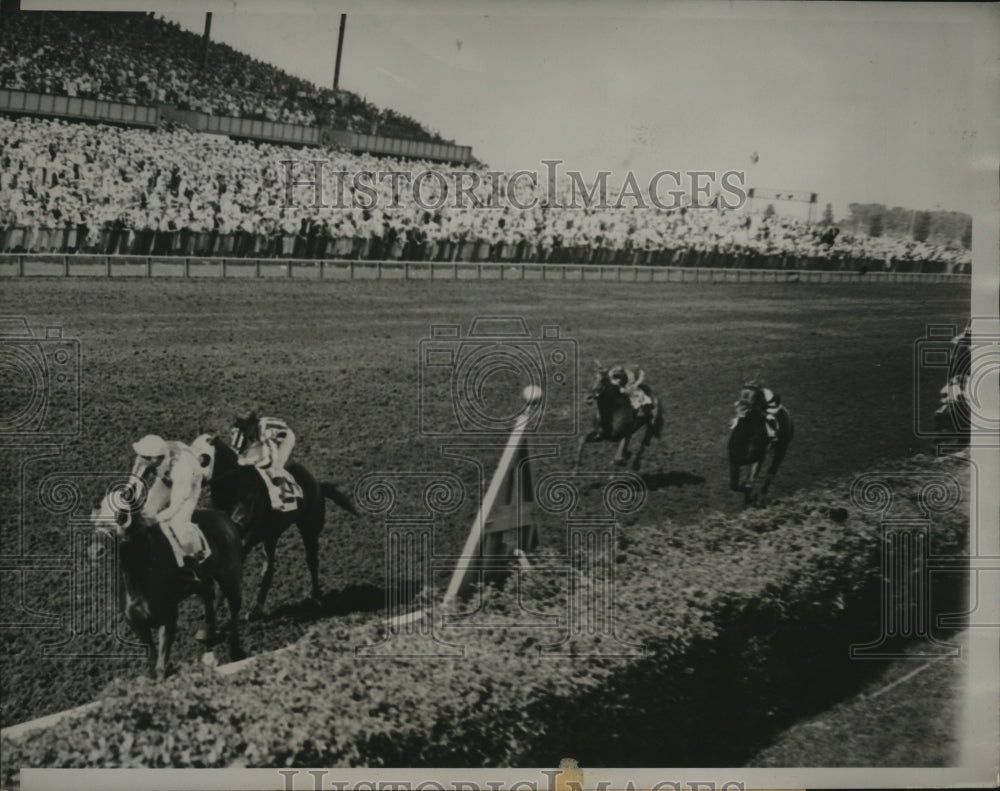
[[331, 492]]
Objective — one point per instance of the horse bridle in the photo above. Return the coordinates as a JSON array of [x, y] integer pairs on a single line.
[[231, 472], [744, 406], [595, 393]]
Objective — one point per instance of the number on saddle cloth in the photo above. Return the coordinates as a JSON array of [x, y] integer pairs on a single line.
[[284, 496]]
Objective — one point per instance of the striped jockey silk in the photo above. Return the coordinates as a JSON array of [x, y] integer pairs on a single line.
[[273, 428]]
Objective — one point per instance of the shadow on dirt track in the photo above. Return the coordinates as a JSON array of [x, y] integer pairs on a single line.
[[352, 599], [675, 478]]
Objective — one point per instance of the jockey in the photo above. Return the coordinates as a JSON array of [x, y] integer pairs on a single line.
[[266, 444], [772, 403], [176, 467], [628, 379]]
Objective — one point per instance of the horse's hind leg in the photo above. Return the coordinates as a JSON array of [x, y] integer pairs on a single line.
[[267, 575], [776, 459], [232, 590], [646, 437], [622, 456], [309, 531]]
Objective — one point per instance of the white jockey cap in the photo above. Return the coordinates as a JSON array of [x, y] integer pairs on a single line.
[[151, 446]]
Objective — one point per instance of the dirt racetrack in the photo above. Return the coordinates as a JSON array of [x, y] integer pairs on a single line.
[[340, 362]]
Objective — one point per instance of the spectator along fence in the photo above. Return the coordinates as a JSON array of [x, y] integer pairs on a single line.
[[125, 266]]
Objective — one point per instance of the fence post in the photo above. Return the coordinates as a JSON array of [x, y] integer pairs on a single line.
[[107, 266], [223, 268], [378, 269], [350, 270], [522, 271], [187, 268], [454, 270], [322, 268], [65, 266], [406, 270], [149, 266], [256, 268]]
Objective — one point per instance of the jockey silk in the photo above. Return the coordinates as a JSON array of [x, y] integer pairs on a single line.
[[173, 505], [633, 378], [272, 452]]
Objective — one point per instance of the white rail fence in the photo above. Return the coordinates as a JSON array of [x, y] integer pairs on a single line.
[[129, 266]]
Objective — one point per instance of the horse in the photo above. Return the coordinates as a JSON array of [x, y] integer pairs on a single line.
[[239, 491], [954, 415], [749, 444], [154, 584], [616, 420]]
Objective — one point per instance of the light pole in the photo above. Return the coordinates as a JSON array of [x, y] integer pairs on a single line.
[[340, 47]]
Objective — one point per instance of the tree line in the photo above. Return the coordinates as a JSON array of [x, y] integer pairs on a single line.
[[936, 227]]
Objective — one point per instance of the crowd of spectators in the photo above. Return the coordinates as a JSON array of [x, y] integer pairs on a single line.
[[76, 187], [139, 59]]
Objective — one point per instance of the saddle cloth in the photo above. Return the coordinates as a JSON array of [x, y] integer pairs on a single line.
[[284, 495], [639, 397], [639, 400]]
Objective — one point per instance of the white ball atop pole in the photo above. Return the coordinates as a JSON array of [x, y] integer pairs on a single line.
[[532, 394]]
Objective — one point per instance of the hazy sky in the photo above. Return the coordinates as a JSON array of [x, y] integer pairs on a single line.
[[856, 101]]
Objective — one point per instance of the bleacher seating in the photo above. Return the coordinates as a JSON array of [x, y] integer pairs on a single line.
[[137, 58]]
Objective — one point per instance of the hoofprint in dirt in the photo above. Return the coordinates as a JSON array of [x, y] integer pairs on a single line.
[[339, 361]]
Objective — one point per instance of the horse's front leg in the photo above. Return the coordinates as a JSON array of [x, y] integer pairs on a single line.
[[748, 488], [164, 640], [593, 436], [145, 634], [734, 477], [207, 633]]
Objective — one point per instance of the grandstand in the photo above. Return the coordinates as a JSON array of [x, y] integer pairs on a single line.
[[139, 59], [151, 184]]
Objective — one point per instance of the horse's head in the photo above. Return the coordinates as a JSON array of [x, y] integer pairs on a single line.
[[751, 399], [246, 431], [204, 450], [599, 383], [119, 510]]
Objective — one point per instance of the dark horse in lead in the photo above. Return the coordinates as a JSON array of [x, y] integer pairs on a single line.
[[751, 445], [240, 491], [154, 586], [616, 420]]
